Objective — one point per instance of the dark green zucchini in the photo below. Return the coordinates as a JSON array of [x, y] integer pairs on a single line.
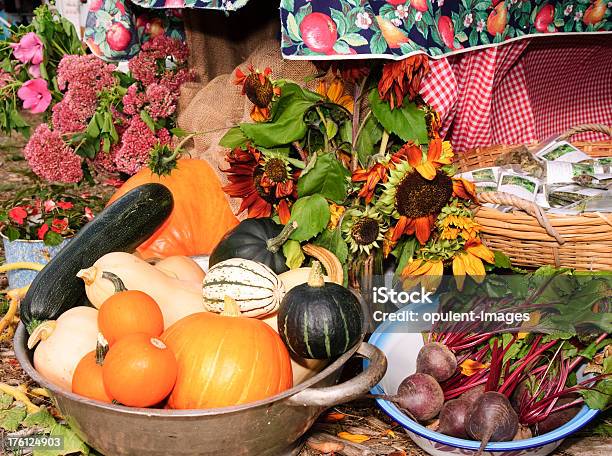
[[121, 227]]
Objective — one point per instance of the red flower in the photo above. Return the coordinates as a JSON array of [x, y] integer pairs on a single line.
[[18, 215], [42, 231], [65, 205], [371, 177], [49, 205], [59, 225], [402, 78], [89, 215]]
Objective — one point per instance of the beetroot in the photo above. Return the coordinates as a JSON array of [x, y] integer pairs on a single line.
[[491, 418], [419, 395], [560, 417], [436, 360], [452, 418], [473, 394]]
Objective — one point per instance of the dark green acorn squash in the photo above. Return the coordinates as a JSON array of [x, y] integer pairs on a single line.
[[257, 239], [120, 227], [319, 320]]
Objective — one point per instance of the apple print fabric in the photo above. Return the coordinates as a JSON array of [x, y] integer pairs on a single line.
[[337, 29], [115, 29]]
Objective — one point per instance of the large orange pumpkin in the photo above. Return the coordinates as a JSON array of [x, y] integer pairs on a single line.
[[201, 214], [226, 360]]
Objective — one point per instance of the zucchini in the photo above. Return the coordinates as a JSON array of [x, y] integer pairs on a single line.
[[122, 226]]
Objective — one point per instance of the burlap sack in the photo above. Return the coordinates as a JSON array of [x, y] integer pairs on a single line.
[[219, 105]]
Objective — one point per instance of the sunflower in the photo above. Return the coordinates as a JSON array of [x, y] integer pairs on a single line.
[[470, 262], [456, 221], [363, 229], [464, 189], [261, 182], [402, 78], [426, 272], [372, 177], [414, 200], [259, 89], [335, 92], [439, 153]]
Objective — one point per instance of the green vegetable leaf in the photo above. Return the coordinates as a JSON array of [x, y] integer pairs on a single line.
[[370, 134], [312, 215], [5, 400], [407, 121], [333, 241], [599, 396], [72, 443], [327, 177], [10, 419], [233, 138], [42, 419], [293, 253]]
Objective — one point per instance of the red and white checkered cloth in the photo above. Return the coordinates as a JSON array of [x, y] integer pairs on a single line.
[[522, 91]]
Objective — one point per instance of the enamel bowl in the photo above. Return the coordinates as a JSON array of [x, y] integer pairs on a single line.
[[401, 350]]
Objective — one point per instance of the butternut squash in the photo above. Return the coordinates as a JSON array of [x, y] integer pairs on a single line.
[[62, 343], [176, 298], [182, 268]]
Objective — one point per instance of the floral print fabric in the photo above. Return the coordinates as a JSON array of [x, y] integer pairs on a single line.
[[336, 29]]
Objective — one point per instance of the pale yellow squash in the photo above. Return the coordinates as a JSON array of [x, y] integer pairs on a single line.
[[182, 268]]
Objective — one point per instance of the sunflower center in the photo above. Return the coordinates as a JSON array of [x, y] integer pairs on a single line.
[[259, 94], [263, 192], [276, 170], [417, 197], [365, 231]]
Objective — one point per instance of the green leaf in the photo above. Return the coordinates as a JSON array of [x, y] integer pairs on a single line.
[[312, 215], [287, 123], [146, 118], [72, 443], [327, 177], [502, 260], [333, 241], [404, 253], [342, 48], [42, 419], [233, 138], [12, 233], [52, 238], [354, 39], [407, 121], [599, 396], [370, 135], [179, 132], [10, 419], [293, 254], [331, 128], [293, 29], [5, 400]]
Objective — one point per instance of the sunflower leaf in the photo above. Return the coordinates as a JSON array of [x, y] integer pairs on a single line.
[[333, 241], [327, 177], [312, 215], [233, 138], [407, 121]]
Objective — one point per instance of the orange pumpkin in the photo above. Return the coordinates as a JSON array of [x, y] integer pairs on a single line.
[[129, 312], [226, 360], [139, 371], [201, 214], [87, 380]]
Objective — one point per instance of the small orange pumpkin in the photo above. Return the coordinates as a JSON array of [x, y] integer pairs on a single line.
[[87, 380], [139, 371], [128, 312], [226, 359], [201, 214]]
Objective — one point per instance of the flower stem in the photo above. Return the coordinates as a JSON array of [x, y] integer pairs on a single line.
[[383, 142]]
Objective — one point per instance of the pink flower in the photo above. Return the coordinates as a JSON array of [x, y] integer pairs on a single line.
[[85, 72], [42, 231], [162, 102], [35, 95], [72, 114], [49, 205], [105, 161], [51, 158], [59, 225], [18, 215], [34, 71], [89, 215], [29, 49], [65, 205], [133, 100], [136, 144]]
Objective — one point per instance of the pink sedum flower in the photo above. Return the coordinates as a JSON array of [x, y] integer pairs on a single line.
[[133, 100], [51, 158], [29, 49], [35, 95], [136, 144], [162, 101]]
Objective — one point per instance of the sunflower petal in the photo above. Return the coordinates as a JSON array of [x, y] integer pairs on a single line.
[[478, 249], [426, 169], [423, 228], [459, 271]]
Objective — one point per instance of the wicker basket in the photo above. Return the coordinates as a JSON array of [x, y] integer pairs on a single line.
[[530, 237]]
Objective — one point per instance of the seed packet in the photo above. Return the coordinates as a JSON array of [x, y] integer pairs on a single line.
[[559, 172], [486, 187], [490, 174], [523, 186], [562, 151], [569, 194]]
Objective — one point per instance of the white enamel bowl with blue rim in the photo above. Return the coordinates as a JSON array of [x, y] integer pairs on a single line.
[[401, 349]]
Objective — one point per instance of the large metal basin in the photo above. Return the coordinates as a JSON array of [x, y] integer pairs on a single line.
[[271, 427]]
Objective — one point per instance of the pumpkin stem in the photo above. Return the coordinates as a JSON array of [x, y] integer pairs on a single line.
[[276, 243], [230, 307], [315, 279], [117, 282], [41, 332], [101, 349]]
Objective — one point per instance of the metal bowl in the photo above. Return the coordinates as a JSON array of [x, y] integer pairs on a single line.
[[270, 427]]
